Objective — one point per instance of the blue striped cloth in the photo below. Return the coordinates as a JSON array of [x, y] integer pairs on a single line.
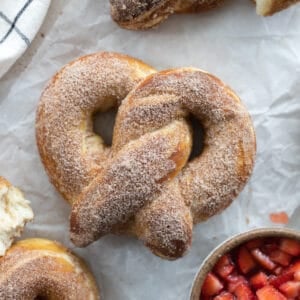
[[20, 20]]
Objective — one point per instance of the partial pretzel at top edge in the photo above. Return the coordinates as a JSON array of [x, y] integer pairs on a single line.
[[145, 14]]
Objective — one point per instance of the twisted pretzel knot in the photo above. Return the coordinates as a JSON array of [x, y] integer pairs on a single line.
[[143, 14], [144, 184]]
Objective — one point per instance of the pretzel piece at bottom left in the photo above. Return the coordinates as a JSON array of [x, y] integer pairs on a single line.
[[15, 212], [40, 268]]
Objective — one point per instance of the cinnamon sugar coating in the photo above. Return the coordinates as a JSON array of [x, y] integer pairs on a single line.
[[92, 83], [143, 184], [270, 7], [143, 14], [40, 268]]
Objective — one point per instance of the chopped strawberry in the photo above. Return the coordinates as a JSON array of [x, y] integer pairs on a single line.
[[261, 269], [290, 246], [277, 281], [243, 292], [280, 217], [224, 266], [212, 285], [256, 243], [278, 270], [245, 260], [224, 296], [269, 247], [234, 281], [269, 293], [290, 289], [259, 280], [280, 257], [263, 259], [295, 267]]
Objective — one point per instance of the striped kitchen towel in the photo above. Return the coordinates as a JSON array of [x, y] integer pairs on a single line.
[[20, 20]]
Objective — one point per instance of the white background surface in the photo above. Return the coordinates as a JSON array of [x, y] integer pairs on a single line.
[[258, 57]]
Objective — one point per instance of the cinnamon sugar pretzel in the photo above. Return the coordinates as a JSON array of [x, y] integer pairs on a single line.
[[270, 7], [143, 14], [144, 184], [43, 269]]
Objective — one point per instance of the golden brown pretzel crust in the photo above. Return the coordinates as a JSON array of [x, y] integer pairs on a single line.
[[89, 84], [143, 14], [38, 267], [270, 7], [143, 184]]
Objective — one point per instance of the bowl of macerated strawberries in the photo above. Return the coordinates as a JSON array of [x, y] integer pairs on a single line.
[[261, 264]]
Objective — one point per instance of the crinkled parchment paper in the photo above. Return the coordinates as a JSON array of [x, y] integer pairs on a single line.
[[258, 57]]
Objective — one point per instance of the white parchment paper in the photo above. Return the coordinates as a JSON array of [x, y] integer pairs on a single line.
[[258, 57]]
